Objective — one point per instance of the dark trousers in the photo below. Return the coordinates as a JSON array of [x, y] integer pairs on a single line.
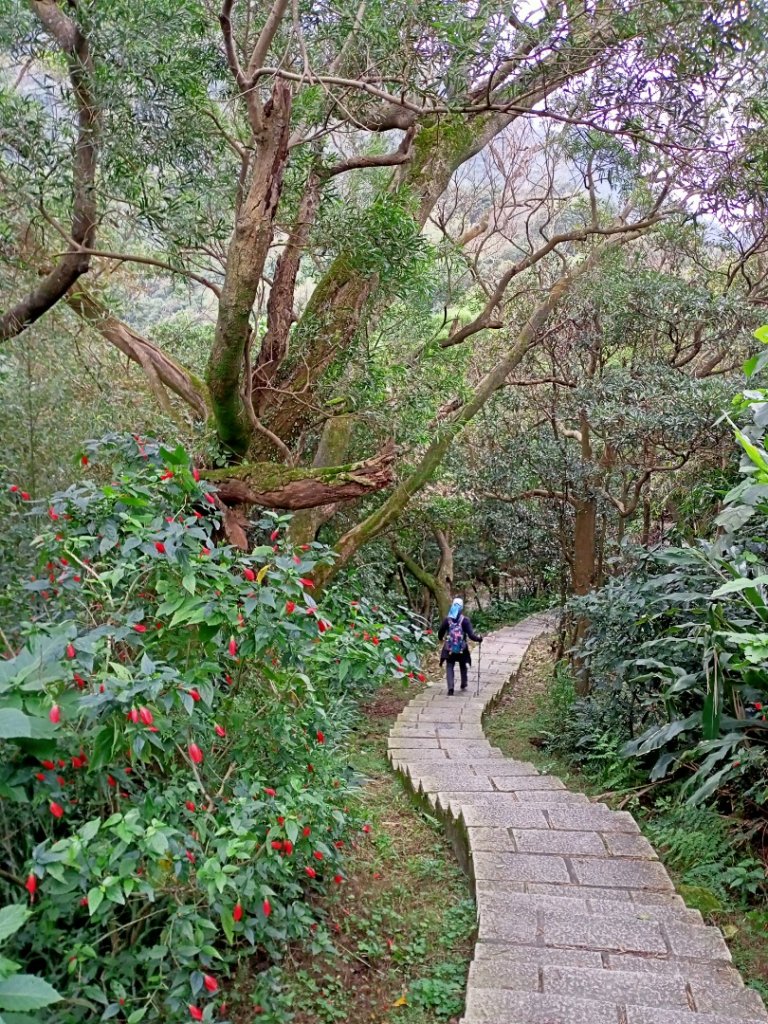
[[449, 667]]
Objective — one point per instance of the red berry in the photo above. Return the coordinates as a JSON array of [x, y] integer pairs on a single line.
[[70, 651], [210, 983], [267, 908], [195, 753], [311, 872], [237, 913], [31, 884], [189, 805], [249, 574], [160, 547], [55, 714], [56, 809]]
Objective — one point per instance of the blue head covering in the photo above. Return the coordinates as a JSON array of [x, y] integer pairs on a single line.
[[455, 609]]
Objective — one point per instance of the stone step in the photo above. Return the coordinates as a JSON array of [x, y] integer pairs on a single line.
[[577, 919]]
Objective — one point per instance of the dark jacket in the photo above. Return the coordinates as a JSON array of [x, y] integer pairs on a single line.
[[466, 628]]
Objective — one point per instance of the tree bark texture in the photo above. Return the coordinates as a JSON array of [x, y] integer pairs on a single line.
[[246, 256]]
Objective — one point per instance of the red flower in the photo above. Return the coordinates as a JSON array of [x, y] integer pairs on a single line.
[[274, 535], [133, 715], [31, 884], [204, 552], [237, 913], [305, 547], [306, 583], [269, 792], [189, 805], [195, 474], [195, 753], [317, 855], [322, 625], [280, 820], [297, 560], [160, 547], [40, 776], [288, 847], [399, 659], [220, 730], [758, 706], [376, 641], [196, 514], [210, 499], [307, 831], [84, 460], [48, 764], [421, 677], [140, 628], [195, 1012], [310, 767], [229, 680], [290, 607], [25, 496], [249, 574], [338, 879], [311, 872], [146, 716], [70, 651], [366, 828], [320, 736], [194, 694], [266, 906], [167, 475], [14, 488], [111, 781], [232, 646], [210, 983], [339, 844], [277, 844], [55, 714], [53, 516], [190, 856], [56, 809]]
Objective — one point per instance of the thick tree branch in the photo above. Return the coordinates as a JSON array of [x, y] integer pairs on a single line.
[[533, 492], [276, 486], [158, 366], [70, 267]]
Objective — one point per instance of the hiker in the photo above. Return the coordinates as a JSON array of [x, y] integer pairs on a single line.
[[456, 628]]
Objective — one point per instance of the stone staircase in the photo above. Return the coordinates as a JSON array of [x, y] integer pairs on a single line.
[[578, 922]]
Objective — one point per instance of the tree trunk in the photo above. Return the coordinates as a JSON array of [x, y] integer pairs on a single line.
[[332, 450], [431, 583], [584, 570], [246, 256]]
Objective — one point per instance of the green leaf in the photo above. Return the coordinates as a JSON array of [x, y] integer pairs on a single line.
[[137, 1015], [11, 919], [95, 899], [89, 830], [26, 992], [14, 724], [742, 583], [762, 334]]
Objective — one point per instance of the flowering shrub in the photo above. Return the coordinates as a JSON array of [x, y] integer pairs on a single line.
[[174, 793]]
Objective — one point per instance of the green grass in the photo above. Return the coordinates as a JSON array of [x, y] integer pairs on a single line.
[[403, 924]]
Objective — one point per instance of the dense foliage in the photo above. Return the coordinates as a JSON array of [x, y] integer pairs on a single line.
[[174, 795], [678, 644]]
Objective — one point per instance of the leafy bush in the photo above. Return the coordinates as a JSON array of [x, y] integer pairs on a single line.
[[174, 794], [678, 647]]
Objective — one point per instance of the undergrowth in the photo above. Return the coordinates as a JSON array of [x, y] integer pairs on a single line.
[[402, 924]]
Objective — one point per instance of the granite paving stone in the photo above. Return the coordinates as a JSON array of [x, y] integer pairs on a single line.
[[578, 921]]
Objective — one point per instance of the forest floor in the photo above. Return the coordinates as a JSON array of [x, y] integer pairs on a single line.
[[518, 724], [402, 924]]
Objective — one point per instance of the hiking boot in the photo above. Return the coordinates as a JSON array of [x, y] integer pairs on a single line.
[[450, 693], [463, 686]]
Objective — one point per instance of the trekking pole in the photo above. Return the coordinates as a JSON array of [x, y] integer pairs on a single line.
[[479, 655]]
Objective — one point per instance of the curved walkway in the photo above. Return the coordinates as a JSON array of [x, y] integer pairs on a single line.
[[578, 922]]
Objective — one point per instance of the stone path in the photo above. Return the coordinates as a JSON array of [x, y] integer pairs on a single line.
[[578, 922]]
